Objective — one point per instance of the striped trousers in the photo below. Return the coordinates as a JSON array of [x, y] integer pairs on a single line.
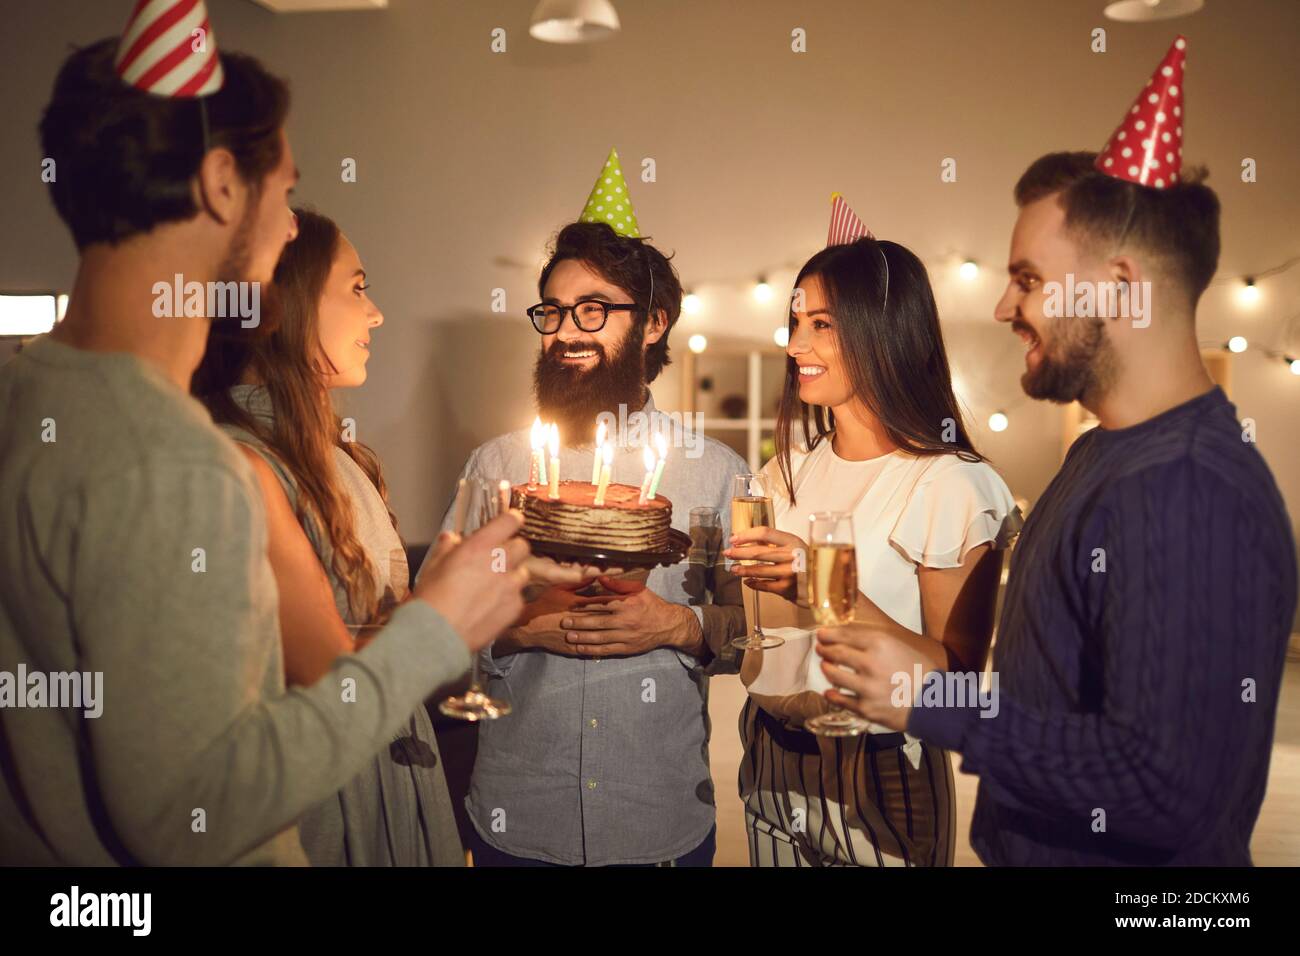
[[850, 801]]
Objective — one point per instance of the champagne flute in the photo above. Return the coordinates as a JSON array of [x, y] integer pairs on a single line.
[[751, 507], [832, 594], [484, 502]]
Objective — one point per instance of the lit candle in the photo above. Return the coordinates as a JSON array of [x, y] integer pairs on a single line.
[[595, 453], [662, 444], [648, 457], [537, 470], [555, 460], [607, 453]]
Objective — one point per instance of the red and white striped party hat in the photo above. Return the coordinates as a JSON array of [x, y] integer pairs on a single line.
[[846, 227], [1148, 146], [168, 49]]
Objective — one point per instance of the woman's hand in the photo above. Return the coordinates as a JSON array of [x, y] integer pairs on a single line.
[[785, 555]]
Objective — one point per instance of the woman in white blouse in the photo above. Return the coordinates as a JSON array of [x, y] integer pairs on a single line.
[[868, 380]]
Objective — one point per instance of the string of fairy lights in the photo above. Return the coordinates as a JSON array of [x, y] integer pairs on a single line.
[[1249, 297]]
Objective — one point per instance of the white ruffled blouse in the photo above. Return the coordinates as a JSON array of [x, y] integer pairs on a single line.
[[908, 512]]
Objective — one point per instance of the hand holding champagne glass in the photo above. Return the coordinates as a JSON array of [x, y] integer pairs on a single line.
[[832, 595], [482, 501], [751, 507]]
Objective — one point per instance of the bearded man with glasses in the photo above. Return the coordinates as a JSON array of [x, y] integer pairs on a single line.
[[604, 760]]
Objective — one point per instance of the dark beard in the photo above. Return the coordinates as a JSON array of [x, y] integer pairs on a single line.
[[239, 254], [573, 398], [1076, 364]]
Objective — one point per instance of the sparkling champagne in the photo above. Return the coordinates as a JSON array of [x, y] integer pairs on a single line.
[[832, 583], [750, 512]]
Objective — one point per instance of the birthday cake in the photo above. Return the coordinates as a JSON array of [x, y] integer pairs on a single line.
[[620, 524]]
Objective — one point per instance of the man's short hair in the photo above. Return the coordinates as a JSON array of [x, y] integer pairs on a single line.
[[125, 159], [1178, 225], [629, 264]]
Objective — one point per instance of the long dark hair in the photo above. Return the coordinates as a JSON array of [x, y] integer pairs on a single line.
[[285, 355], [894, 359]]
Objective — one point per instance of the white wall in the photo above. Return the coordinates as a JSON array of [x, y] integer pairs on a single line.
[[468, 161]]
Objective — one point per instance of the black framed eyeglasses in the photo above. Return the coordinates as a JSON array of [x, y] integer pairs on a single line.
[[589, 315]]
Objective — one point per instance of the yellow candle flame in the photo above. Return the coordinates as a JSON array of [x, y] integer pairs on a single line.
[[661, 443], [608, 454], [600, 434], [539, 434], [648, 457]]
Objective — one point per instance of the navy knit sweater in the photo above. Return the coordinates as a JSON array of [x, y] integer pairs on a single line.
[[1136, 704]]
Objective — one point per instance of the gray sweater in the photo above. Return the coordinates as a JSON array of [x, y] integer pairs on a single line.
[[133, 544]]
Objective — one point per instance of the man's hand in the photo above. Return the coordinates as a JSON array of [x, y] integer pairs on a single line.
[[629, 623], [549, 602], [476, 583], [540, 632], [863, 659]]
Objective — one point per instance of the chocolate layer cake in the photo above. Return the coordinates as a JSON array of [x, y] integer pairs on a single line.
[[619, 524]]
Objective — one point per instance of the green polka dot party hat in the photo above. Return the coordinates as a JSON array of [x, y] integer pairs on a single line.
[[609, 201]]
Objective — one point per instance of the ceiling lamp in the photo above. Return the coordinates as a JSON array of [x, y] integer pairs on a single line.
[[573, 21], [1139, 11]]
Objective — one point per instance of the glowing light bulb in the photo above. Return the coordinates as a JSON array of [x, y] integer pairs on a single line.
[[998, 422], [781, 336], [697, 343], [763, 291], [969, 270], [1237, 343], [1295, 366], [1249, 294], [691, 304]]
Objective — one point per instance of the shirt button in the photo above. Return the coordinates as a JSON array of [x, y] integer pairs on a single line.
[[591, 784], [593, 721]]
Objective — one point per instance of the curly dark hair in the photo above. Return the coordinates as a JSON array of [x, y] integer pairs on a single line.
[[125, 159], [631, 264]]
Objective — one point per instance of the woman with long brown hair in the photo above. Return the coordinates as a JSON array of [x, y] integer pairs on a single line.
[[333, 543], [868, 427]]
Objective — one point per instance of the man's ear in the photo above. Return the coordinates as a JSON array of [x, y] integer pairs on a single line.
[[1126, 273], [656, 327], [219, 190], [1124, 269]]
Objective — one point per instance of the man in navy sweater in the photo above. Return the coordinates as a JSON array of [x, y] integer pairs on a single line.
[[1141, 646]]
